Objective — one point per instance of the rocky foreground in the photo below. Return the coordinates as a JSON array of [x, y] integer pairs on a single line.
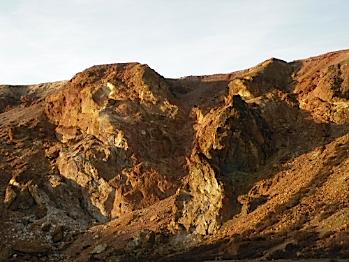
[[122, 164]]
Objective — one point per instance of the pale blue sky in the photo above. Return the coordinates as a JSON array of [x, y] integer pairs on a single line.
[[47, 40]]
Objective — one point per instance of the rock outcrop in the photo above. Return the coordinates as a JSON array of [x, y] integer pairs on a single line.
[[120, 163]]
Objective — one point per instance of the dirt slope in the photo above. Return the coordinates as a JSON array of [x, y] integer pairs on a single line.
[[122, 164]]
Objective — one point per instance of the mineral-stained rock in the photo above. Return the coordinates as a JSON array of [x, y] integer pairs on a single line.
[[199, 202], [234, 137], [120, 163]]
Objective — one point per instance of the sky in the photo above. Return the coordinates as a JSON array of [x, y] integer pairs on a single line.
[[49, 40]]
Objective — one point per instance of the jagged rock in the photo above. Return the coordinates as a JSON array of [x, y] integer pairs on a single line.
[[199, 202], [159, 167], [234, 137]]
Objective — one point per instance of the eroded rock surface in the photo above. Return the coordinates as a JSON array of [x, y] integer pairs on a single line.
[[120, 163]]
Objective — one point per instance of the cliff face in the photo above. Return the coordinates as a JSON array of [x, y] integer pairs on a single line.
[[122, 163]]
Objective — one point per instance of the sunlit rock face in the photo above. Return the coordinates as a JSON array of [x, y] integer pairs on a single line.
[[114, 123], [121, 163]]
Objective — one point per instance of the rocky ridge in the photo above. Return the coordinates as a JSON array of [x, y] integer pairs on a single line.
[[120, 163]]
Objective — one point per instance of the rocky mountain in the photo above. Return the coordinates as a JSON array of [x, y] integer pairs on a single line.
[[122, 164]]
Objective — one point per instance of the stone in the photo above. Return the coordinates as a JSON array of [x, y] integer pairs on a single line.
[[45, 227], [57, 233], [186, 169], [99, 249]]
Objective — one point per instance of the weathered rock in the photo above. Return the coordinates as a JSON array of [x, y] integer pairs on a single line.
[[156, 166], [234, 137], [199, 201], [99, 249]]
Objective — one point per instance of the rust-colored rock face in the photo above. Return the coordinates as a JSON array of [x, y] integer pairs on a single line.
[[122, 164]]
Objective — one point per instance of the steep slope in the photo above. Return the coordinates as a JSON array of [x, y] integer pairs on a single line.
[[120, 163]]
